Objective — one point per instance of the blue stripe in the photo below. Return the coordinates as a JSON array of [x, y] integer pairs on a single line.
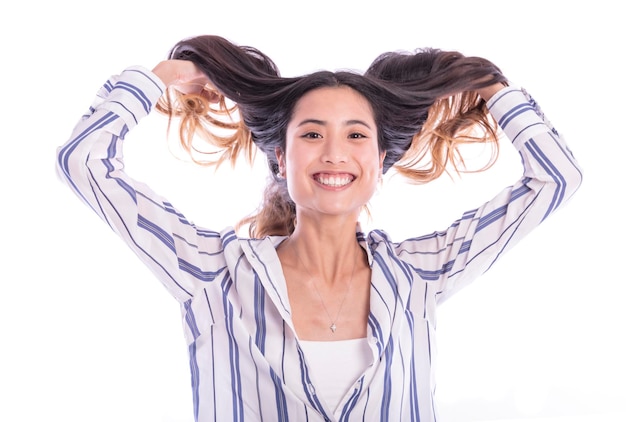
[[259, 314], [137, 93], [128, 110], [268, 277], [190, 319], [521, 132], [122, 183], [146, 76], [352, 401], [385, 404], [94, 191], [389, 278], [218, 252], [434, 275], [234, 354], [283, 348], [228, 237], [503, 233], [367, 402], [413, 390], [167, 207], [488, 219], [252, 352], [68, 149], [514, 112], [279, 396], [306, 383], [213, 360], [195, 379], [501, 96], [377, 331], [193, 362], [468, 215], [500, 212], [375, 326], [403, 374], [157, 232], [195, 271], [552, 171], [208, 306], [503, 248], [172, 210], [465, 247]]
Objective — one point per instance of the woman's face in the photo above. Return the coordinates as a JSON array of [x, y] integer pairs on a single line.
[[331, 160]]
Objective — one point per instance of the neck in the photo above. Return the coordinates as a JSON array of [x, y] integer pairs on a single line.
[[327, 251]]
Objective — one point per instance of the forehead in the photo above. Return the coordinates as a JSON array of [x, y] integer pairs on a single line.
[[331, 102]]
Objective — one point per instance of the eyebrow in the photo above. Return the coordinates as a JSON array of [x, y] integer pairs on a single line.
[[323, 122]]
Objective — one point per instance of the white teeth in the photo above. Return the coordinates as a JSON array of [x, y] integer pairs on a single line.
[[334, 181]]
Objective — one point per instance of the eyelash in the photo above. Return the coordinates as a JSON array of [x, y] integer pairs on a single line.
[[315, 135]]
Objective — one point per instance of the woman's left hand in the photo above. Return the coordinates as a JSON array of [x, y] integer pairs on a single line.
[[487, 92]]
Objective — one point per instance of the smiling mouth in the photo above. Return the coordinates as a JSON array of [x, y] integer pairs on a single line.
[[334, 180]]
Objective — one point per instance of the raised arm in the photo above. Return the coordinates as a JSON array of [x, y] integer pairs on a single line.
[[91, 164], [469, 247]]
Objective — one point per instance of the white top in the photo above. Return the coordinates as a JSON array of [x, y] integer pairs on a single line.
[[336, 366]]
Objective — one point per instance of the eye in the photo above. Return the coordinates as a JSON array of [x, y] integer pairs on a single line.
[[357, 135], [312, 135]]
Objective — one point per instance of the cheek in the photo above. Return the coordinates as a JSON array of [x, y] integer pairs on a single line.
[[372, 162], [295, 164], [291, 161]]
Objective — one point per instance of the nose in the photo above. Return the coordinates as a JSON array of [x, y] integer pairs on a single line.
[[335, 151]]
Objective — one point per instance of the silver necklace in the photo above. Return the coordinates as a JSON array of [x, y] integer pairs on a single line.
[[333, 325]]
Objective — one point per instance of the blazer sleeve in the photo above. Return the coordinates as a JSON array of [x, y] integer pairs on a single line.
[[469, 247], [91, 164]]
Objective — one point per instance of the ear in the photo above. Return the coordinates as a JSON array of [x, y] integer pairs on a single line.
[[280, 157], [381, 161]]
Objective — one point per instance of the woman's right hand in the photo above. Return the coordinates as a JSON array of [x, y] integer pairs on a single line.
[[185, 77]]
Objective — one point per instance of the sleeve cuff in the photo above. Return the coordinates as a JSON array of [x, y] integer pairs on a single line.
[[517, 114], [134, 94]]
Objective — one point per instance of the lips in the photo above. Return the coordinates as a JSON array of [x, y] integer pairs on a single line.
[[334, 180]]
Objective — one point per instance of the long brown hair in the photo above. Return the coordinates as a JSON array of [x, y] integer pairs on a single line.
[[424, 103]]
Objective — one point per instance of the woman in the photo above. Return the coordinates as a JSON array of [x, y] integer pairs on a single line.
[[310, 319]]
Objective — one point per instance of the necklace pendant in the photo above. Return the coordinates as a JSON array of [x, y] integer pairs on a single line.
[[333, 327]]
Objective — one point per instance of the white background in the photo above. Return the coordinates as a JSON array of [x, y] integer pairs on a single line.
[[89, 335]]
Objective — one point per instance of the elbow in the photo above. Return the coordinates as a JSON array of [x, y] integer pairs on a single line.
[[71, 163], [63, 162], [573, 179], [566, 184]]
